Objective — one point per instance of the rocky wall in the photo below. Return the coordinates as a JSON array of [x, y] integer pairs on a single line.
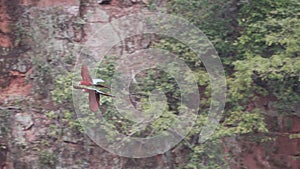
[[31, 136], [33, 132]]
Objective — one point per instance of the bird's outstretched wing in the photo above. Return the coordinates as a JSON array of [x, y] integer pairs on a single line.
[[94, 99], [102, 93], [85, 74], [86, 88]]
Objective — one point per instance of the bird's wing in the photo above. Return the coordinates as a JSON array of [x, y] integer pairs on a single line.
[[85, 74], [94, 101], [102, 93], [97, 99]]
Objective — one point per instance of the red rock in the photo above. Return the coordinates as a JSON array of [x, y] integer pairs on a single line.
[[51, 3], [5, 41], [17, 87]]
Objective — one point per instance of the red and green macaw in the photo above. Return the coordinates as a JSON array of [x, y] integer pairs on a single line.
[[87, 85]]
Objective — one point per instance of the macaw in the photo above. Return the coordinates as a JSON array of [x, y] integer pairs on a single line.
[[87, 85]]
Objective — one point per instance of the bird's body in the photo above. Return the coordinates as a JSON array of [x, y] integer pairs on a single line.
[[86, 88], [87, 80], [87, 85]]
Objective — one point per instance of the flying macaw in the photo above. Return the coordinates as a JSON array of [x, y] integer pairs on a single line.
[[87, 85]]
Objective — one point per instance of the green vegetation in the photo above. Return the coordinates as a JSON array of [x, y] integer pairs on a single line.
[[4, 123], [258, 43], [268, 52], [52, 53], [47, 159]]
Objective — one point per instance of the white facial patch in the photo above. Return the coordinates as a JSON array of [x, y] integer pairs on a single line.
[[95, 81]]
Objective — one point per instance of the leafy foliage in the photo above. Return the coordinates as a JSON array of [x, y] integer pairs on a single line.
[[47, 159], [258, 43], [269, 52]]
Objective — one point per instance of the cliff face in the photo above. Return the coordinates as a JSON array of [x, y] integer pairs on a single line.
[[280, 152], [48, 26], [26, 139]]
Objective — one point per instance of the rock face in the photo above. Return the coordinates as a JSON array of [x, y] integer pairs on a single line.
[[280, 153], [33, 134]]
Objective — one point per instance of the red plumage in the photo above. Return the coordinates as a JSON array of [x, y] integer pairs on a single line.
[[94, 94]]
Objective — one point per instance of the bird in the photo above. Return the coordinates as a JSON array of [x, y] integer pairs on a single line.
[[87, 80], [87, 85]]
